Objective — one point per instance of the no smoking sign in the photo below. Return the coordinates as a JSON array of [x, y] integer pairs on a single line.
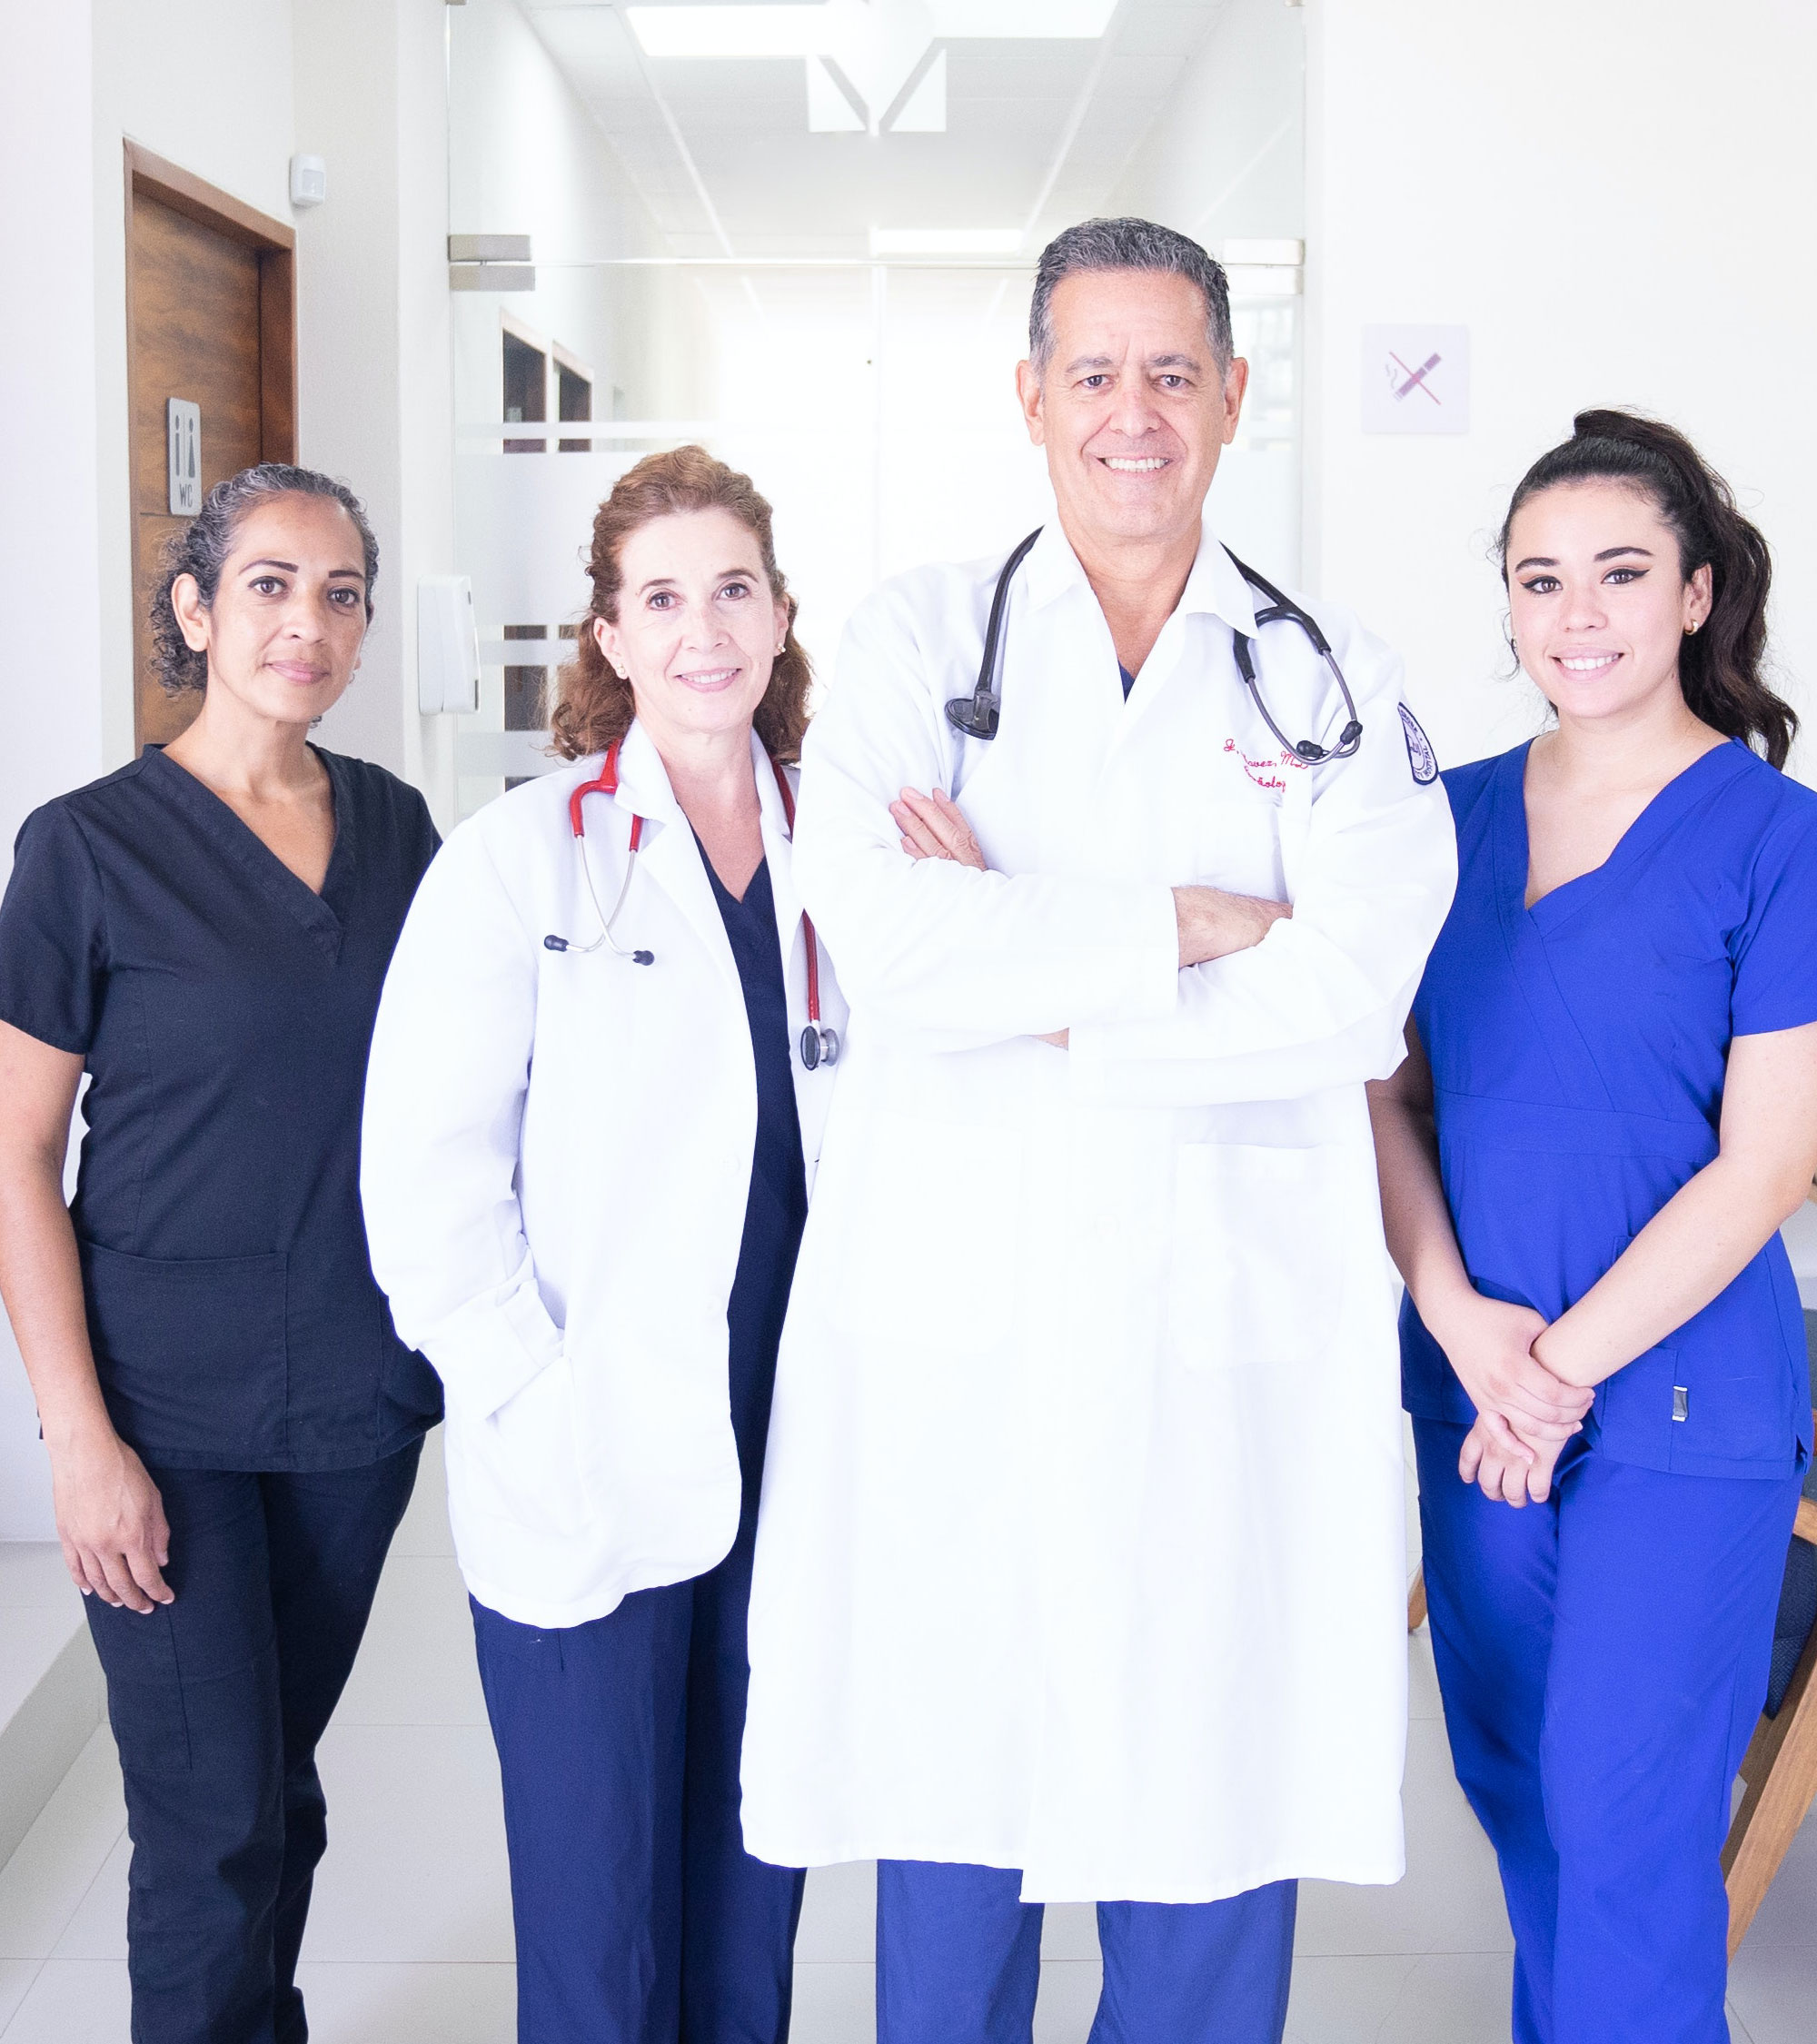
[[1415, 378]]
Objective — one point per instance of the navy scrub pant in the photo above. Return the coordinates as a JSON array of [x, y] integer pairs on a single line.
[[1603, 1659], [640, 1918], [959, 1961], [217, 1702]]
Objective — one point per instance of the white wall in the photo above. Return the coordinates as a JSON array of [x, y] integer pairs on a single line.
[[1617, 203], [376, 400]]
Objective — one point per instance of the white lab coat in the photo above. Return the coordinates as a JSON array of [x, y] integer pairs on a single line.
[[557, 1153], [1081, 1543]]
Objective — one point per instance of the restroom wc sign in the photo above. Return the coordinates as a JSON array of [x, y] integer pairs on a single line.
[[1415, 378], [182, 443]]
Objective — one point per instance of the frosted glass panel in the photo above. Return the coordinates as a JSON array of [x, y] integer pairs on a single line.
[[873, 404]]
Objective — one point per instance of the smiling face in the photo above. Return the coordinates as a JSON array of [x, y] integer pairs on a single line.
[[697, 630], [1599, 600], [283, 632], [1130, 407]]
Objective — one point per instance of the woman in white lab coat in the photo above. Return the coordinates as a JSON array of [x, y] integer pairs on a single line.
[[598, 1082]]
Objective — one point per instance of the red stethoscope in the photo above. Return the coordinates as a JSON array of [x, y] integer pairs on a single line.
[[818, 1044]]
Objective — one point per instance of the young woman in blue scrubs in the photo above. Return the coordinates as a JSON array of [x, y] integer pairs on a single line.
[[232, 1424], [1608, 1108], [590, 1134]]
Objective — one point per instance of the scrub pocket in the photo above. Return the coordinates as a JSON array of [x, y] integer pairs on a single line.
[[192, 1356], [1257, 1264]]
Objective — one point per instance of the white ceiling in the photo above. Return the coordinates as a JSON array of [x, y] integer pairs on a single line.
[[1037, 133]]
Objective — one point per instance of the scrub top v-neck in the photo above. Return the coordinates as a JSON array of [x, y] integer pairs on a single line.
[[1578, 1051], [775, 1208], [223, 1011]]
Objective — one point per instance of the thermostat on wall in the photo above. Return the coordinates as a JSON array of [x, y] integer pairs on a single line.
[[447, 647], [308, 181]]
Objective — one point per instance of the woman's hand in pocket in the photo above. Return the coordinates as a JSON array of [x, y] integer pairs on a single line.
[[111, 1522]]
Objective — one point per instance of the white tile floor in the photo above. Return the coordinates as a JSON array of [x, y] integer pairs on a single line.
[[410, 1938]]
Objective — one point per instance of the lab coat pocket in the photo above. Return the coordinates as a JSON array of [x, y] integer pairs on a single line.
[[928, 1213], [524, 1463], [1257, 1270]]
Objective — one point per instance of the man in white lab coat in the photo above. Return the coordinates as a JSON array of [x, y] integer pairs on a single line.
[[1080, 1566]]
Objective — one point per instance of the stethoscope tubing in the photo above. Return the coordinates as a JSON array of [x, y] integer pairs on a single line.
[[979, 714], [817, 1044]]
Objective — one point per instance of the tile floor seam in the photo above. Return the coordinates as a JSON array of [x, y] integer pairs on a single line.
[[69, 1923], [37, 1966]]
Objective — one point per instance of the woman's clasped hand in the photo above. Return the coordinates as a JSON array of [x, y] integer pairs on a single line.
[[1524, 1415]]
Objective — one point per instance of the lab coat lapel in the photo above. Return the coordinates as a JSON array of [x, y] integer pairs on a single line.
[[670, 855], [1214, 589]]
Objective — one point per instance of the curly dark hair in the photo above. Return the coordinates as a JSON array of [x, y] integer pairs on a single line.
[[200, 548], [595, 707], [1720, 670]]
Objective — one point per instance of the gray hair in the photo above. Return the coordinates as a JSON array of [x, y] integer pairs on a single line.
[[200, 548], [1128, 245]]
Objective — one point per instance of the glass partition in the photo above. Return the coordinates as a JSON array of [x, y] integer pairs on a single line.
[[873, 402]]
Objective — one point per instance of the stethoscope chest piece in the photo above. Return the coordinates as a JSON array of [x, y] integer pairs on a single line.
[[819, 1047]]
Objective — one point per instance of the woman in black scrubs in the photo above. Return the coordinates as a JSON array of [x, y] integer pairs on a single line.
[[233, 1425]]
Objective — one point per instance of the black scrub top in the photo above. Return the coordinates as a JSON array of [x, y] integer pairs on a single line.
[[223, 1013], [775, 1208]]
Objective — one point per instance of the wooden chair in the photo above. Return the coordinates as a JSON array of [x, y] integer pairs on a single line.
[[1779, 1769]]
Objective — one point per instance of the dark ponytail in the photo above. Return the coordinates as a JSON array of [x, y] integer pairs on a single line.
[[1719, 668]]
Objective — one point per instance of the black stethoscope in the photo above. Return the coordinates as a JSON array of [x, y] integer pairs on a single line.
[[818, 1044], [978, 714]]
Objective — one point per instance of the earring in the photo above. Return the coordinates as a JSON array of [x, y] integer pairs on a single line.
[[1691, 630]]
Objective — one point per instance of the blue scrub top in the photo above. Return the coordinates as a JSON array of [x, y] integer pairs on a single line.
[[776, 1208], [1578, 1053], [223, 1012]]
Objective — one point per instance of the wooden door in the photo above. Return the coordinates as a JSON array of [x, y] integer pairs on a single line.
[[210, 319]]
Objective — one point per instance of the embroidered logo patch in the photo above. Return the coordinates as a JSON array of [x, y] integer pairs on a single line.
[[1421, 757], [1266, 773]]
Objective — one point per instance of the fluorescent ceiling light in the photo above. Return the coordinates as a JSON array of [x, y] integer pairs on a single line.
[[945, 240], [729, 32], [1011, 20], [812, 31]]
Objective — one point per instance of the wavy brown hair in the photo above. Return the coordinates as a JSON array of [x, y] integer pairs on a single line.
[[595, 707]]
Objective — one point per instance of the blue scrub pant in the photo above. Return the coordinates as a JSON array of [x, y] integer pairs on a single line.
[[959, 1961], [217, 1702], [640, 1918], [1603, 1659]]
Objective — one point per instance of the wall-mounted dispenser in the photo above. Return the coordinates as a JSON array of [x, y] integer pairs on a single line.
[[447, 647]]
